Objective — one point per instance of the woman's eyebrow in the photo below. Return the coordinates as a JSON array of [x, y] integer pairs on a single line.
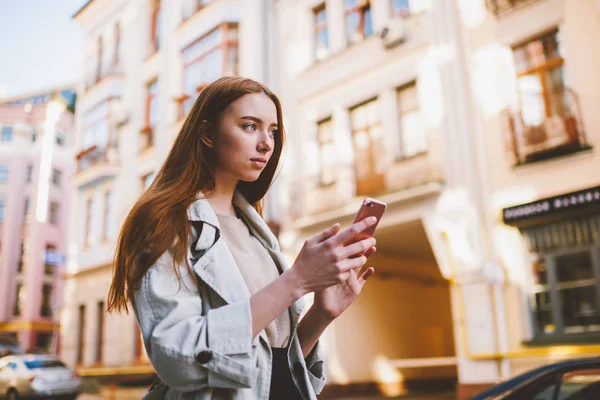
[[256, 119]]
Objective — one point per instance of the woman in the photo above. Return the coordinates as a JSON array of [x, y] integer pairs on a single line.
[[216, 303]]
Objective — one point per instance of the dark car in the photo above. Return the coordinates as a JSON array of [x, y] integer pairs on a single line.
[[577, 379]]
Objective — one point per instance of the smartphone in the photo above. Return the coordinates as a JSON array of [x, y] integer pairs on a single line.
[[369, 208]]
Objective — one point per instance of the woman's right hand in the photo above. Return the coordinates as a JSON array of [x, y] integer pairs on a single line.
[[324, 261]]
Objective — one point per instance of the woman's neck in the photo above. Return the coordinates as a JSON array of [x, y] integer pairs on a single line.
[[222, 201]]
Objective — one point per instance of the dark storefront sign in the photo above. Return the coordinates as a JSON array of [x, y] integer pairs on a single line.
[[575, 204]]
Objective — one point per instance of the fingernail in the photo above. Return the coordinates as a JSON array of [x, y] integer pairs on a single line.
[[372, 220]]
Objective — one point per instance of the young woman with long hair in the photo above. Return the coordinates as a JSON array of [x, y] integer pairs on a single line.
[[217, 305]]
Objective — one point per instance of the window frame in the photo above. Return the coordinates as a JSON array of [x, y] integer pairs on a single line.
[[559, 336], [361, 8], [46, 309], [397, 12], [107, 213], [155, 26], [149, 126], [322, 142], [54, 212], [401, 153], [540, 71], [318, 28], [187, 99], [7, 130]]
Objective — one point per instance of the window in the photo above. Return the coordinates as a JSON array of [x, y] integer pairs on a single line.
[[29, 173], [190, 7], [3, 173], [49, 268], [81, 336], [155, 26], [56, 176], [1, 210], [566, 291], [549, 122], [413, 134], [44, 341], [19, 299], [33, 135], [327, 152], [321, 33], [7, 133], [60, 139], [21, 262], [53, 213], [117, 51], [100, 333], [99, 59], [147, 180], [95, 136], [46, 307], [27, 209], [366, 135], [151, 114], [400, 8], [359, 20], [88, 222], [107, 228], [206, 60]]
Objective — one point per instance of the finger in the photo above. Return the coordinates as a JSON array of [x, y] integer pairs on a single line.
[[358, 247], [366, 275], [353, 230], [322, 236], [352, 263], [370, 252]]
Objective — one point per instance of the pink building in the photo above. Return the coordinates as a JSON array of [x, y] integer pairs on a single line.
[[36, 158]]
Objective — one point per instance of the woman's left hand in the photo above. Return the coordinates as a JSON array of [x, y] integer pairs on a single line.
[[334, 300]]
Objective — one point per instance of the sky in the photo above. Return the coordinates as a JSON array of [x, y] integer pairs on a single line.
[[41, 46]]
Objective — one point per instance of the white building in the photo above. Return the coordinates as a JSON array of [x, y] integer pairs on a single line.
[[145, 61], [411, 101]]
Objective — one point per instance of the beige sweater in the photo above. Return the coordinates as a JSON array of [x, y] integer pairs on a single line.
[[258, 270]]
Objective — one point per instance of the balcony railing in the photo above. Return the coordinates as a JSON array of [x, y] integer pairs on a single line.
[[95, 155], [554, 136], [503, 7]]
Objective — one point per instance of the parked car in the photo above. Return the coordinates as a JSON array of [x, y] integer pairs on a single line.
[[37, 376], [577, 379]]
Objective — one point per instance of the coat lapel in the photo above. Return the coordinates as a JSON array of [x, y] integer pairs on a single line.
[[216, 265], [211, 258]]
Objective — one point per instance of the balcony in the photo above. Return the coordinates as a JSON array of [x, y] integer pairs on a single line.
[[96, 163], [405, 179], [552, 136], [501, 8]]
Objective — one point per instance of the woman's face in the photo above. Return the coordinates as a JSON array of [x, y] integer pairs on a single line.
[[246, 137]]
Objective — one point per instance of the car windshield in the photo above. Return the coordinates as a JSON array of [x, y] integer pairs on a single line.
[[35, 364]]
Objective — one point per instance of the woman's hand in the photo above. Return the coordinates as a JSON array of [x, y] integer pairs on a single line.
[[334, 300], [324, 261]]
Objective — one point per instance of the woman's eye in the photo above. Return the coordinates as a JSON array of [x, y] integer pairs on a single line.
[[274, 132], [250, 127]]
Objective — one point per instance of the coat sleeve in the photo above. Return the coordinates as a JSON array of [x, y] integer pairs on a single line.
[[315, 366], [188, 350]]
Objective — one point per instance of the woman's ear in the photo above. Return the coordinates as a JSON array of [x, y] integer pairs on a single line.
[[207, 142]]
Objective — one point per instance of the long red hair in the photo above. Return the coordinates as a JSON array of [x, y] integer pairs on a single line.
[[158, 221]]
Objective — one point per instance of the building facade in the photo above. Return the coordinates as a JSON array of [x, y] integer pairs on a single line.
[[458, 114], [145, 63], [36, 151]]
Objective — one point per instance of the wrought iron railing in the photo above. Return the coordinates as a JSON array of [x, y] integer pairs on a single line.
[[558, 134], [503, 7]]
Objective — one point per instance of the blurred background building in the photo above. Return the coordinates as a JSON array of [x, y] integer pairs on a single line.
[[145, 63], [36, 153], [473, 119]]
